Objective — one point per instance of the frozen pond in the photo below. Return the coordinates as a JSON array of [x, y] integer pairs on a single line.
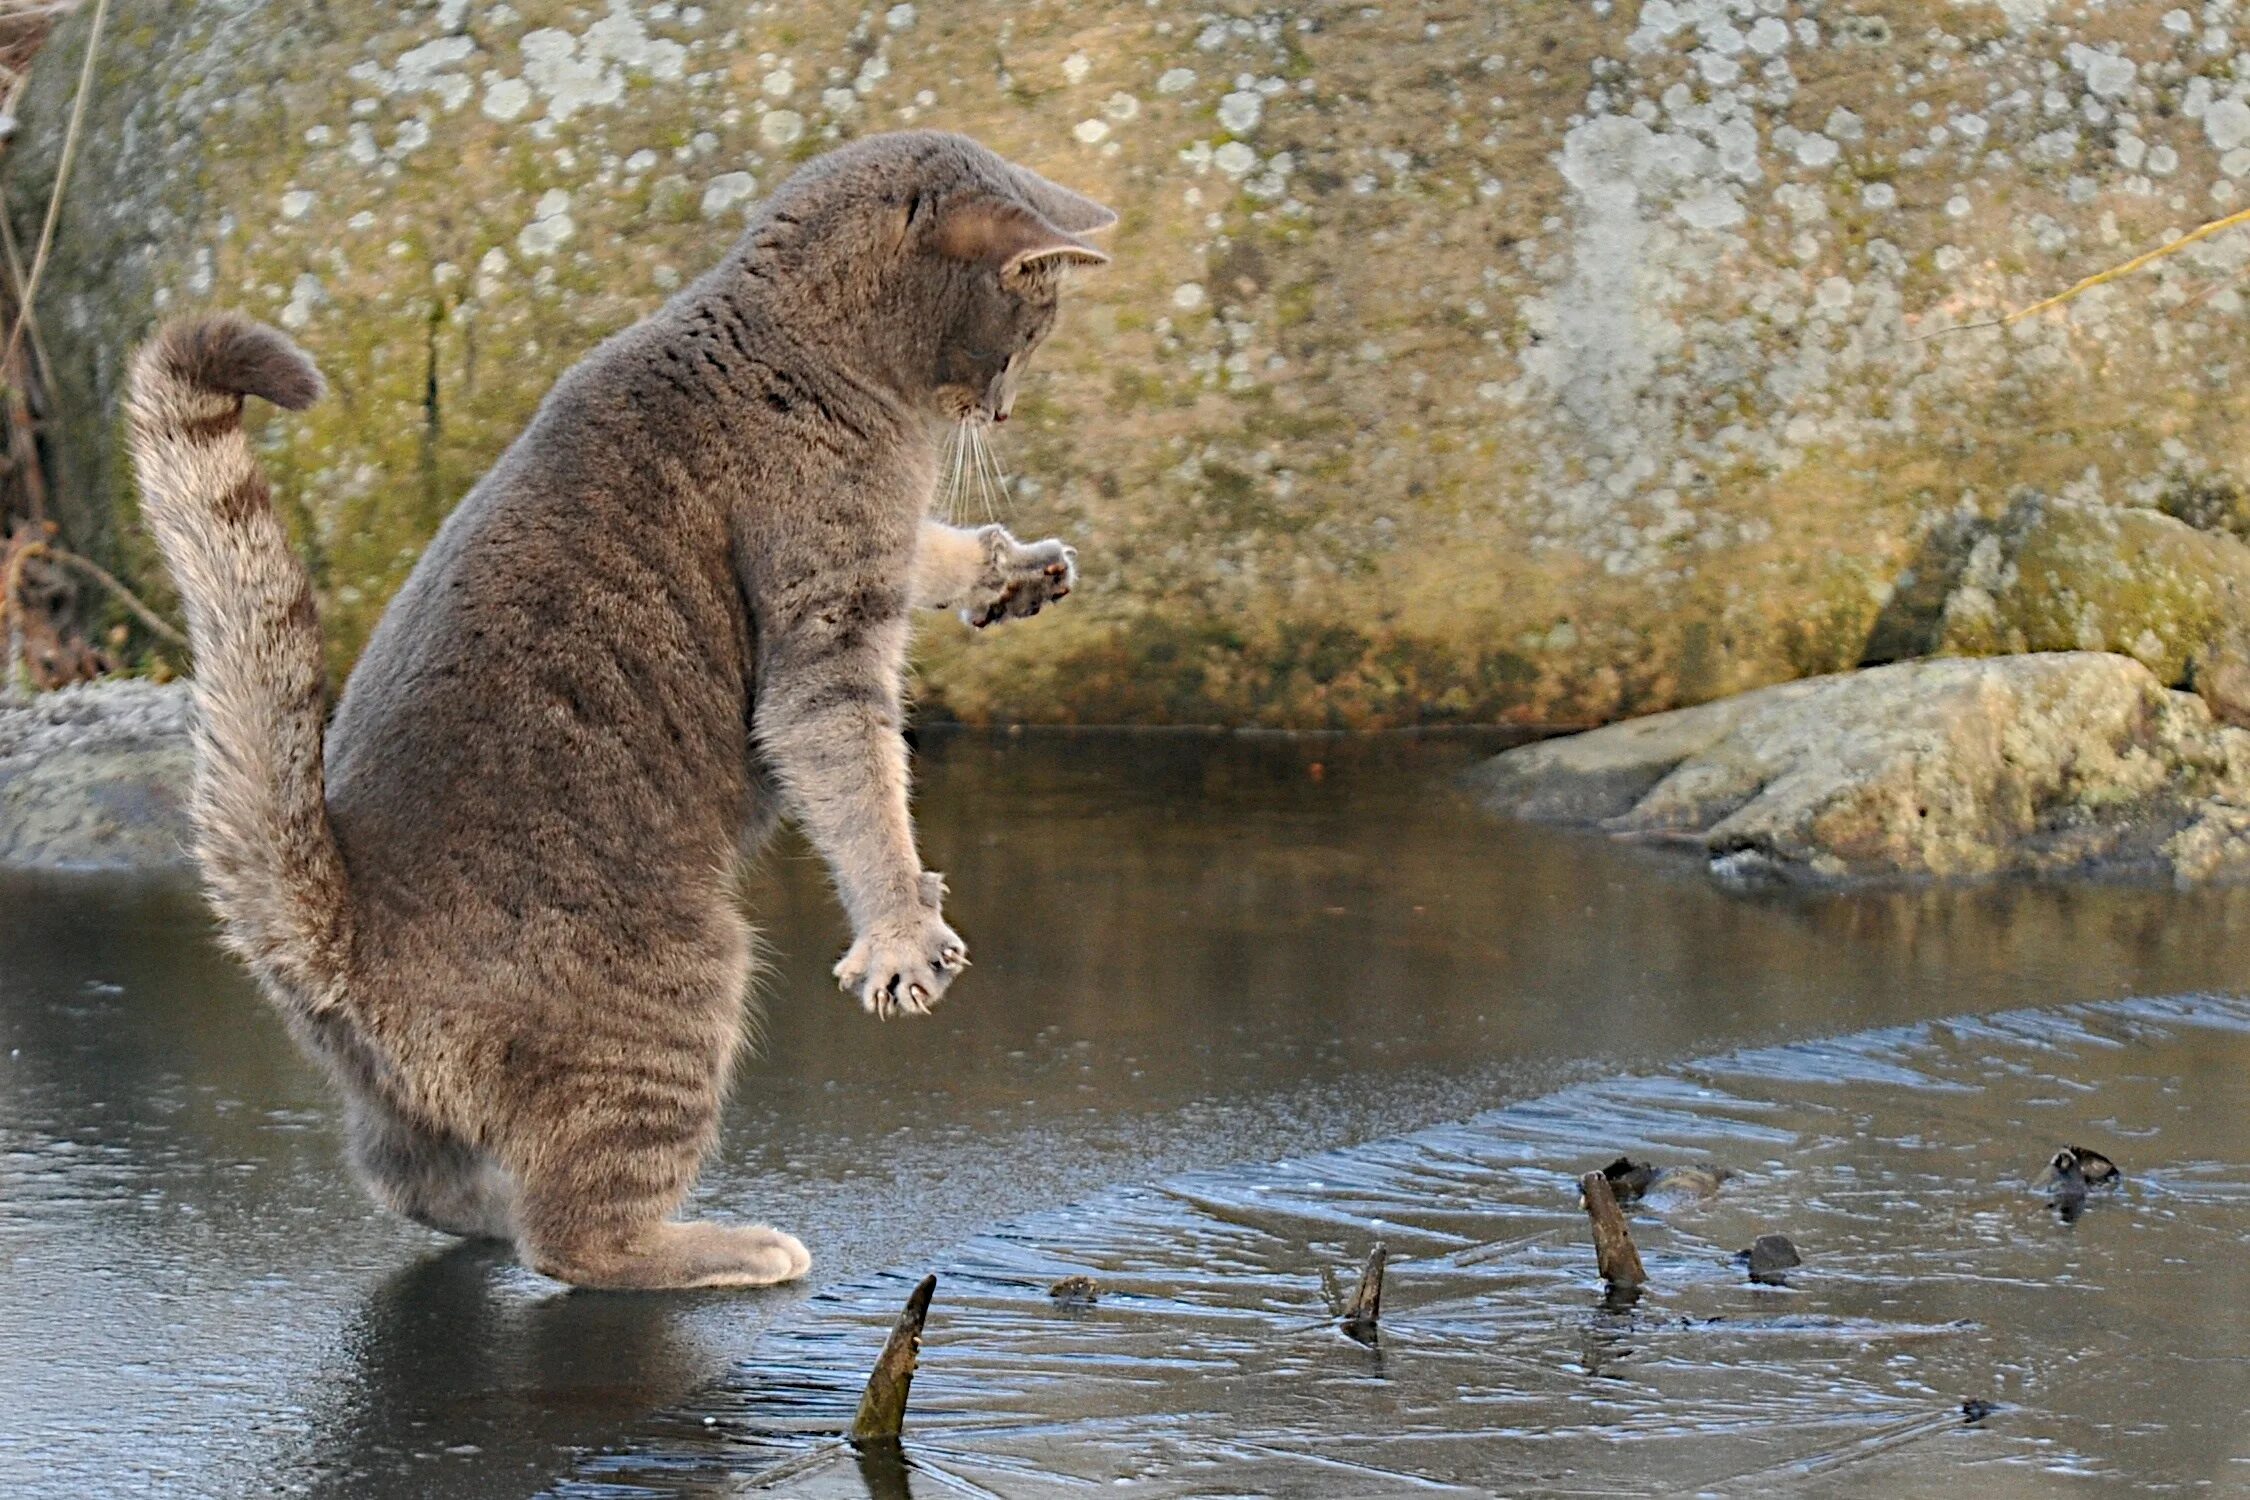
[[2110, 1342], [1192, 953]]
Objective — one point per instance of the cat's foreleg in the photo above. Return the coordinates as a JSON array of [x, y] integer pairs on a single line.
[[988, 575], [828, 729]]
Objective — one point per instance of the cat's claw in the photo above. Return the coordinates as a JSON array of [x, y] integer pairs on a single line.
[[903, 967]]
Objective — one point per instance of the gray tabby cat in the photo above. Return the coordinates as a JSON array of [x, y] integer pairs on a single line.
[[502, 914]]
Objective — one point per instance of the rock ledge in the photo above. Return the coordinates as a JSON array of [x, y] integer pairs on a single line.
[[2057, 763], [95, 777]]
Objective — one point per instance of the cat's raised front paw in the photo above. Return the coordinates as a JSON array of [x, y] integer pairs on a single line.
[[1021, 578], [903, 966]]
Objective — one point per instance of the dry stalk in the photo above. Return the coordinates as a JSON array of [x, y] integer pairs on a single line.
[[26, 377], [1614, 1255], [69, 154], [18, 557], [1365, 1310], [882, 1407], [2100, 278]]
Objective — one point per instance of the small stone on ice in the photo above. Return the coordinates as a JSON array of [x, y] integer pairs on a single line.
[[1769, 1257]]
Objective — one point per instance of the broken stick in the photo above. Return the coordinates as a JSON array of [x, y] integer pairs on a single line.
[[1614, 1254], [882, 1409], [1366, 1307]]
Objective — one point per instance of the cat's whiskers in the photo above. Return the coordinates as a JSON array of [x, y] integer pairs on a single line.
[[992, 482], [950, 458], [957, 444], [999, 471], [976, 464], [995, 494], [971, 478]]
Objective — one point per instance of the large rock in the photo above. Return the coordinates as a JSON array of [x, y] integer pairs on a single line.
[[1529, 361], [96, 777], [2062, 576], [2047, 764]]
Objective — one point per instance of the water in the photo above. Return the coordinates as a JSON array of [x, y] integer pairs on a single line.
[[1191, 953], [2112, 1343]]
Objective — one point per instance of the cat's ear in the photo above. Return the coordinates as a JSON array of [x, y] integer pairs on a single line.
[[1071, 212], [1008, 236]]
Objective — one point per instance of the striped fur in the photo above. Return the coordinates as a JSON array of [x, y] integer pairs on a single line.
[[268, 855], [676, 608]]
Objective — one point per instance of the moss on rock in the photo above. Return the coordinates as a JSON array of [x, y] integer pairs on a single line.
[[2049, 764], [1535, 363], [2059, 576]]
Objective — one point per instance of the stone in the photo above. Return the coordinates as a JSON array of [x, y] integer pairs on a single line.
[[1589, 778], [2219, 674], [1550, 382], [2046, 764], [2059, 575], [2065, 575], [1770, 1258], [2211, 504], [95, 777]]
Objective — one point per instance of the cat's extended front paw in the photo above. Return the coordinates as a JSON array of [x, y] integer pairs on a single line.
[[1020, 578], [903, 965]]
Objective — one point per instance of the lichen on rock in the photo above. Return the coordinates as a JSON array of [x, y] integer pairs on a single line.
[[2046, 764], [1542, 363], [95, 777], [2061, 576]]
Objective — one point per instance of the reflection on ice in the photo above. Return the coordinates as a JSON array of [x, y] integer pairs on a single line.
[[1902, 1160]]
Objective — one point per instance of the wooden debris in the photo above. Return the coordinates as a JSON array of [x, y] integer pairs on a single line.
[[2076, 1169], [1629, 1179], [882, 1410], [1365, 1309], [1619, 1262], [2097, 1169], [884, 1471]]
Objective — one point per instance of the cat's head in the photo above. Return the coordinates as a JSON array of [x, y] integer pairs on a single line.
[[951, 256]]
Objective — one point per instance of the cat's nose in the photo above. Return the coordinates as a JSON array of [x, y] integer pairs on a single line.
[[1000, 416]]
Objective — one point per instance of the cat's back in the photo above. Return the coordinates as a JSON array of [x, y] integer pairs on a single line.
[[554, 702]]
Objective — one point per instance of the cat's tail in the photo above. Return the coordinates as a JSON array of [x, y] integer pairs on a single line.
[[269, 856]]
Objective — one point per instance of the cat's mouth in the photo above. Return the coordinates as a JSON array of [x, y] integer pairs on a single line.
[[962, 405]]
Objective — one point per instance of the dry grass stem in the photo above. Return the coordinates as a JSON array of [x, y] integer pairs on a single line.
[[62, 178], [2099, 278]]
